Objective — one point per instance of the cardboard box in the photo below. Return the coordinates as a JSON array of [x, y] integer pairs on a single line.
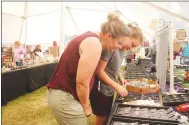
[[54, 51]]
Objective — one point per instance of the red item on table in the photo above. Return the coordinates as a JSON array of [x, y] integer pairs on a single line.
[[183, 107]]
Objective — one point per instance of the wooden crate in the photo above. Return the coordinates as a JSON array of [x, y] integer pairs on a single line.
[[144, 90]]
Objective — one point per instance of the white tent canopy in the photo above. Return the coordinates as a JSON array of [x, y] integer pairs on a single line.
[[43, 22], [40, 28]]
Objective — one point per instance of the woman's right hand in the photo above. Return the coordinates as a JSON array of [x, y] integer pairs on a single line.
[[121, 90]]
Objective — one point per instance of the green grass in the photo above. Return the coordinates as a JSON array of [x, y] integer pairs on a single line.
[[31, 109]]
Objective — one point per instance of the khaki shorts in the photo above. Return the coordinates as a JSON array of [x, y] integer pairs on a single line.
[[66, 110]]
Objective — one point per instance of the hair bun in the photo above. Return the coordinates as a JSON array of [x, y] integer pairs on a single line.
[[113, 16], [130, 25]]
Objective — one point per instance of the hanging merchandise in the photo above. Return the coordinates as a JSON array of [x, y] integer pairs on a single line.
[[185, 51], [181, 34]]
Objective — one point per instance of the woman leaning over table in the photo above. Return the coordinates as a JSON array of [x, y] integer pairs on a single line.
[[73, 79]]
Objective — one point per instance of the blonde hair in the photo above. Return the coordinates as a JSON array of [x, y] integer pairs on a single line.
[[37, 46], [17, 43], [136, 32], [115, 26], [119, 29]]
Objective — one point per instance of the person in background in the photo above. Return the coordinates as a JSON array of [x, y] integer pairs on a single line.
[[106, 82], [140, 54], [72, 81], [154, 51], [28, 49], [37, 49], [18, 53], [148, 52]]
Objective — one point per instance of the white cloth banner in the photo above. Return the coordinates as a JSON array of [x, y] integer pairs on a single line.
[[161, 58]]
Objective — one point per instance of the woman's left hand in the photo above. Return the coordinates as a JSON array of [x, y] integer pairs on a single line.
[[124, 82]]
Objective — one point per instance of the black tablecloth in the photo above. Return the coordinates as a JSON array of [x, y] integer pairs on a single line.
[[19, 82], [39, 76], [13, 84]]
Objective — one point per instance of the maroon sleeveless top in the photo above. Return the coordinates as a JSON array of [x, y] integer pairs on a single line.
[[64, 76]]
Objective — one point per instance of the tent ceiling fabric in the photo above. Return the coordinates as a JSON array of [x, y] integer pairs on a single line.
[[40, 29], [46, 28], [181, 8], [17, 8]]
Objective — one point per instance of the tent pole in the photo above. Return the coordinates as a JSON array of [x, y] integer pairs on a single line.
[[73, 19], [26, 19], [23, 18], [171, 57], [62, 28]]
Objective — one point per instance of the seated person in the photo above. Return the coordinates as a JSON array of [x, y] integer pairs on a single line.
[[37, 49]]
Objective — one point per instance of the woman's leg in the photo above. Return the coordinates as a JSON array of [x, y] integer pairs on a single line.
[[101, 106], [101, 120], [66, 110]]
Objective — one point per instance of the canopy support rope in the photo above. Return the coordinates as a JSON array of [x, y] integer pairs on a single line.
[[167, 11], [23, 18], [68, 8]]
